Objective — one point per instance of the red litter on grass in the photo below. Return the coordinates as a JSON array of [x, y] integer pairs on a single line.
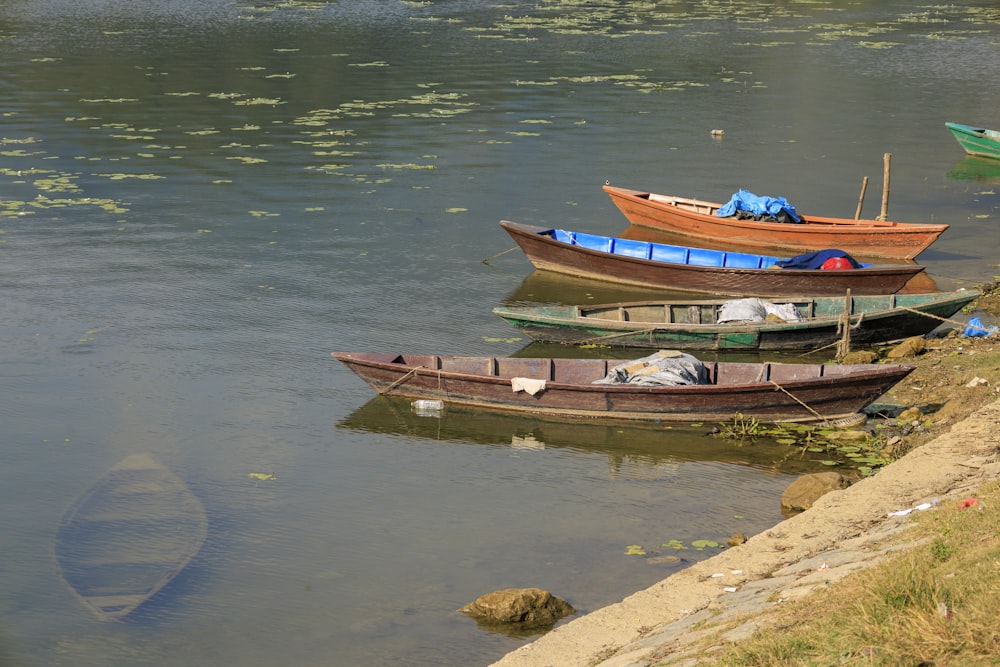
[[968, 502]]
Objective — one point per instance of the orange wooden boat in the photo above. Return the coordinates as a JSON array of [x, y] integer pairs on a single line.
[[697, 219]]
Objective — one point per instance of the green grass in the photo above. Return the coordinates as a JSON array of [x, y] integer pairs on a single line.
[[934, 604]]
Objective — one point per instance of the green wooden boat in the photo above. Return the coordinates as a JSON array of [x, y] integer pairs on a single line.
[[695, 325], [976, 141], [128, 535]]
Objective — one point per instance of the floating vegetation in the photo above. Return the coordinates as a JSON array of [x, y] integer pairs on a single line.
[[634, 550], [408, 165], [64, 183], [247, 160], [141, 177], [15, 208], [262, 476], [878, 45], [864, 450], [259, 101]]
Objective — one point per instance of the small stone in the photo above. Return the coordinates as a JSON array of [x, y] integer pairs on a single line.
[[860, 357], [736, 539]]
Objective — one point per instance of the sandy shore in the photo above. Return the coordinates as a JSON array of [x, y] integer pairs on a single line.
[[841, 533]]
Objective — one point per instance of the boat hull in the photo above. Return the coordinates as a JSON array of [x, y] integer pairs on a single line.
[[127, 536], [546, 253], [769, 392], [696, 220], [692, 325], [976, 141]]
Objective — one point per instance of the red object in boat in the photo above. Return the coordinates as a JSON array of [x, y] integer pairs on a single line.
[[836, 264]]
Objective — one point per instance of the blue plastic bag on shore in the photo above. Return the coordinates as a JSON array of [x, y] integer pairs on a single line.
[[977, 330]]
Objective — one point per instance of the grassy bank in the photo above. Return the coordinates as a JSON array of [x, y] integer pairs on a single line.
[[934, 604]]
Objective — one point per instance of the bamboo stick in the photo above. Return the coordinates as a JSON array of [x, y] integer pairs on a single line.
[[861, 199], [887, 158]]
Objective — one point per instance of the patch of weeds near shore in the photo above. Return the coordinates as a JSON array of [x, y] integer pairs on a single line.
[[933, 604], [828, 445]]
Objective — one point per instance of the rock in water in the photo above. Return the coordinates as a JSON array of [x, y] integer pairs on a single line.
[[806, 490], [524, 606]]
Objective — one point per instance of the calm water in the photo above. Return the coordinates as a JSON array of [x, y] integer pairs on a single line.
[[199, 201]]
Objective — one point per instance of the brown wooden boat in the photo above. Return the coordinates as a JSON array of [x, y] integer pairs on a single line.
[[685, 269], [696, 219], [566, 387]]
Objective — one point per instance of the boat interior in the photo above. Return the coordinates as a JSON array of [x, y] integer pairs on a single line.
[[586, 371], [708, 313], [661, 252]]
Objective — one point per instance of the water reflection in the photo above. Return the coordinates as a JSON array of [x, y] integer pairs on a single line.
[[636, 451], [976, 169]]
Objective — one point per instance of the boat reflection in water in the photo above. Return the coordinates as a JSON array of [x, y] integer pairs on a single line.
[[976, 169], [634, 450]]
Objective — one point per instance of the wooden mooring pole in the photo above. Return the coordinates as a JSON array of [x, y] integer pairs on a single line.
[[861, 199], [887, 158]]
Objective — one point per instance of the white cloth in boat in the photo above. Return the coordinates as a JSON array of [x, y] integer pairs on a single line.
[[666, 367], [756, 310], [529, 385]]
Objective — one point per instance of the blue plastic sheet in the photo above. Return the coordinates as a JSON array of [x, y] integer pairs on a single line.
[[977, 330], [814, 260], [763, 206]]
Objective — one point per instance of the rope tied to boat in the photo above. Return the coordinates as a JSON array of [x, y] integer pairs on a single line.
[[598, 339], [800, 402], [943, 319], [401, 380]]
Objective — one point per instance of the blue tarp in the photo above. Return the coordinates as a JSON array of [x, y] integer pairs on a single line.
[[762, 206], [814, 260]]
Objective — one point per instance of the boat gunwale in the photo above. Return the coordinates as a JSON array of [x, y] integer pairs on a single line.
[[545, 234]]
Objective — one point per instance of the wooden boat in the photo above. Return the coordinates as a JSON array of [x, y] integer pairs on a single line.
[[565, 387], [976, 140], [697, 219], [694, 325], [127, 536], [686, 269]]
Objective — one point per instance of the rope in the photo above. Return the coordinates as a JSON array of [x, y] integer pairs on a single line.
[[793, 397], [412, 371], [598, 339], [943, 319], [487, 260]]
